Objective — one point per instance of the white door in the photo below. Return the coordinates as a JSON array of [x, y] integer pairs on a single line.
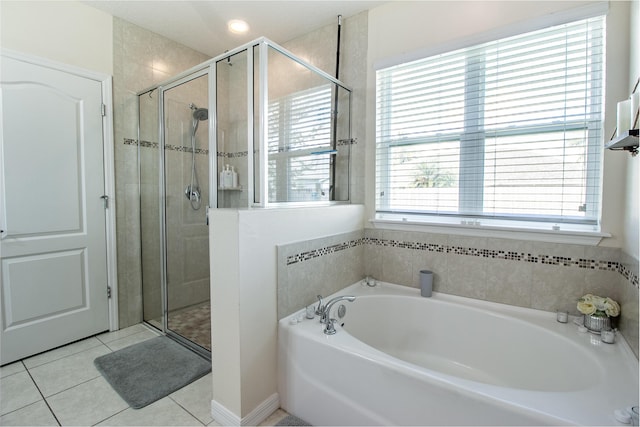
[[53, 240]]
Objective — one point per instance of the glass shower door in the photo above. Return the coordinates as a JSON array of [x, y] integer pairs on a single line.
[[186, 198]]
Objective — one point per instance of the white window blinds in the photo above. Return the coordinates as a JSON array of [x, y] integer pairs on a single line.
[[300, 146], [510, 129]]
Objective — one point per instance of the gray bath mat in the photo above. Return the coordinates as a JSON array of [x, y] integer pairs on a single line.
[[145, 372], [292, 420]]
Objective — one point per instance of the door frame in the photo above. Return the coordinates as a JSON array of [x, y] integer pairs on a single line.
[[106, 82]]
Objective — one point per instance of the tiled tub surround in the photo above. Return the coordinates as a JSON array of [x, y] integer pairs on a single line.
[[317, 267], [544, 276]]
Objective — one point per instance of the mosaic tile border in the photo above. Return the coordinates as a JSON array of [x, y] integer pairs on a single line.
[[289, 148], [149, 144], [232, 155], [591, 264], [315, 253]]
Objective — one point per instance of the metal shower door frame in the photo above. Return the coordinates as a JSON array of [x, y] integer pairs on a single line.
[[261, 46]]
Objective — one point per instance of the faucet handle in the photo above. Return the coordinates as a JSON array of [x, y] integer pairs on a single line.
[[329, 329], [320, 309], [370, 281]]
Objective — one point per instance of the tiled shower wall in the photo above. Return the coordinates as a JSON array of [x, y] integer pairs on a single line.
[[543, 276], [187, 236], [140, 60]]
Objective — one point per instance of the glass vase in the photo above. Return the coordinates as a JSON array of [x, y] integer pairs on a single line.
[[596, 323]]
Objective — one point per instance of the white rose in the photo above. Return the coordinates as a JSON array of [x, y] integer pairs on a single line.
[[611, 307], [587, 298], [599, 302], [586, 307]]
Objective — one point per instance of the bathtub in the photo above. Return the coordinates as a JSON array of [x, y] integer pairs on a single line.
[[400, 359]]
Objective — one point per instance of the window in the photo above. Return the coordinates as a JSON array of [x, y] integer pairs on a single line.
[[508, 130], [300, 146]]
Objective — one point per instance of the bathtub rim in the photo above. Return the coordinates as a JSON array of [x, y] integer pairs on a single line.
[[538, 317]]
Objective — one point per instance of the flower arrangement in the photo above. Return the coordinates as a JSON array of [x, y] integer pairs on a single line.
[[598, 306]]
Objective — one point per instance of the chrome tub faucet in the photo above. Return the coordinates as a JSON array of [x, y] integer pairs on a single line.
[[329, 329]]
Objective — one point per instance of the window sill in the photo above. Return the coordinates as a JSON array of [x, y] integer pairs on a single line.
[[498, 229]]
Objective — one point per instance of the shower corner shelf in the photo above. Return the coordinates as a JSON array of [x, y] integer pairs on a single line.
[[627, 141], [239, 188]]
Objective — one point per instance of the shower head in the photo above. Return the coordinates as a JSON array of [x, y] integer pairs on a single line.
[[201, 114]]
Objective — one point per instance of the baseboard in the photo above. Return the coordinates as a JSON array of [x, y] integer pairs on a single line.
[[262, 411], [225, 417]]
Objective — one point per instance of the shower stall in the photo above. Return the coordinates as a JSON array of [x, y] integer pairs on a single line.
[[254, 128]]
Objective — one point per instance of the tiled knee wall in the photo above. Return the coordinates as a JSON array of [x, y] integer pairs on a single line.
[[544, 276]]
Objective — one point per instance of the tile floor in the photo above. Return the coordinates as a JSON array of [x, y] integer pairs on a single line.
[[62, 387]]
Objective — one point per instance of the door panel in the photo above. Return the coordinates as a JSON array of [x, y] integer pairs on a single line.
[[26, 116], [65, 290], [53, 247]]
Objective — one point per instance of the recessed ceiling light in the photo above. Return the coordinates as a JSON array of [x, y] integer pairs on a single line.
[[237, 26]]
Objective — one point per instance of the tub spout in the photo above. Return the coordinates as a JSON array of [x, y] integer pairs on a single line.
[[320, 308], [329, 329]]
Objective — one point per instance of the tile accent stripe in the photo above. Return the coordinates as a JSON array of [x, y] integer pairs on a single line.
[[315, 253], [149, 144], [232, 155], [484, 253], [289, 148]]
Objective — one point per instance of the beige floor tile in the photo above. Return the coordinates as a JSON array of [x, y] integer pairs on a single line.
[[36, 414], [17, 391], [164, 412], [61, 352], [116, 335], [131, 339], [86, 404], [67, 372], [273, 419], [10, 369], [196, 398]]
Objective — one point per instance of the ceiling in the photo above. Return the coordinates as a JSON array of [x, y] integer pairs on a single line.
[[202, 24]]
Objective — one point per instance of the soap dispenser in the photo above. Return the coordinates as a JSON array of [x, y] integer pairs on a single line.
[[221, 180], [234, 177], [227, 179]]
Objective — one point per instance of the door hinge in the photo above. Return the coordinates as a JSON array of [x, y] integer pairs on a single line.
[[105, 200], [103, 110], [108, 291]]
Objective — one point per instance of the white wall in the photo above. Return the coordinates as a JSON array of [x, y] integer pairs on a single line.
[[615, 183], [400, 31], [632, 206], [63, 31], [244, 289], [224, 241]]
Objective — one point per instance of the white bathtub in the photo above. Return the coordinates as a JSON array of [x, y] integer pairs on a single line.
[[401, 359]]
